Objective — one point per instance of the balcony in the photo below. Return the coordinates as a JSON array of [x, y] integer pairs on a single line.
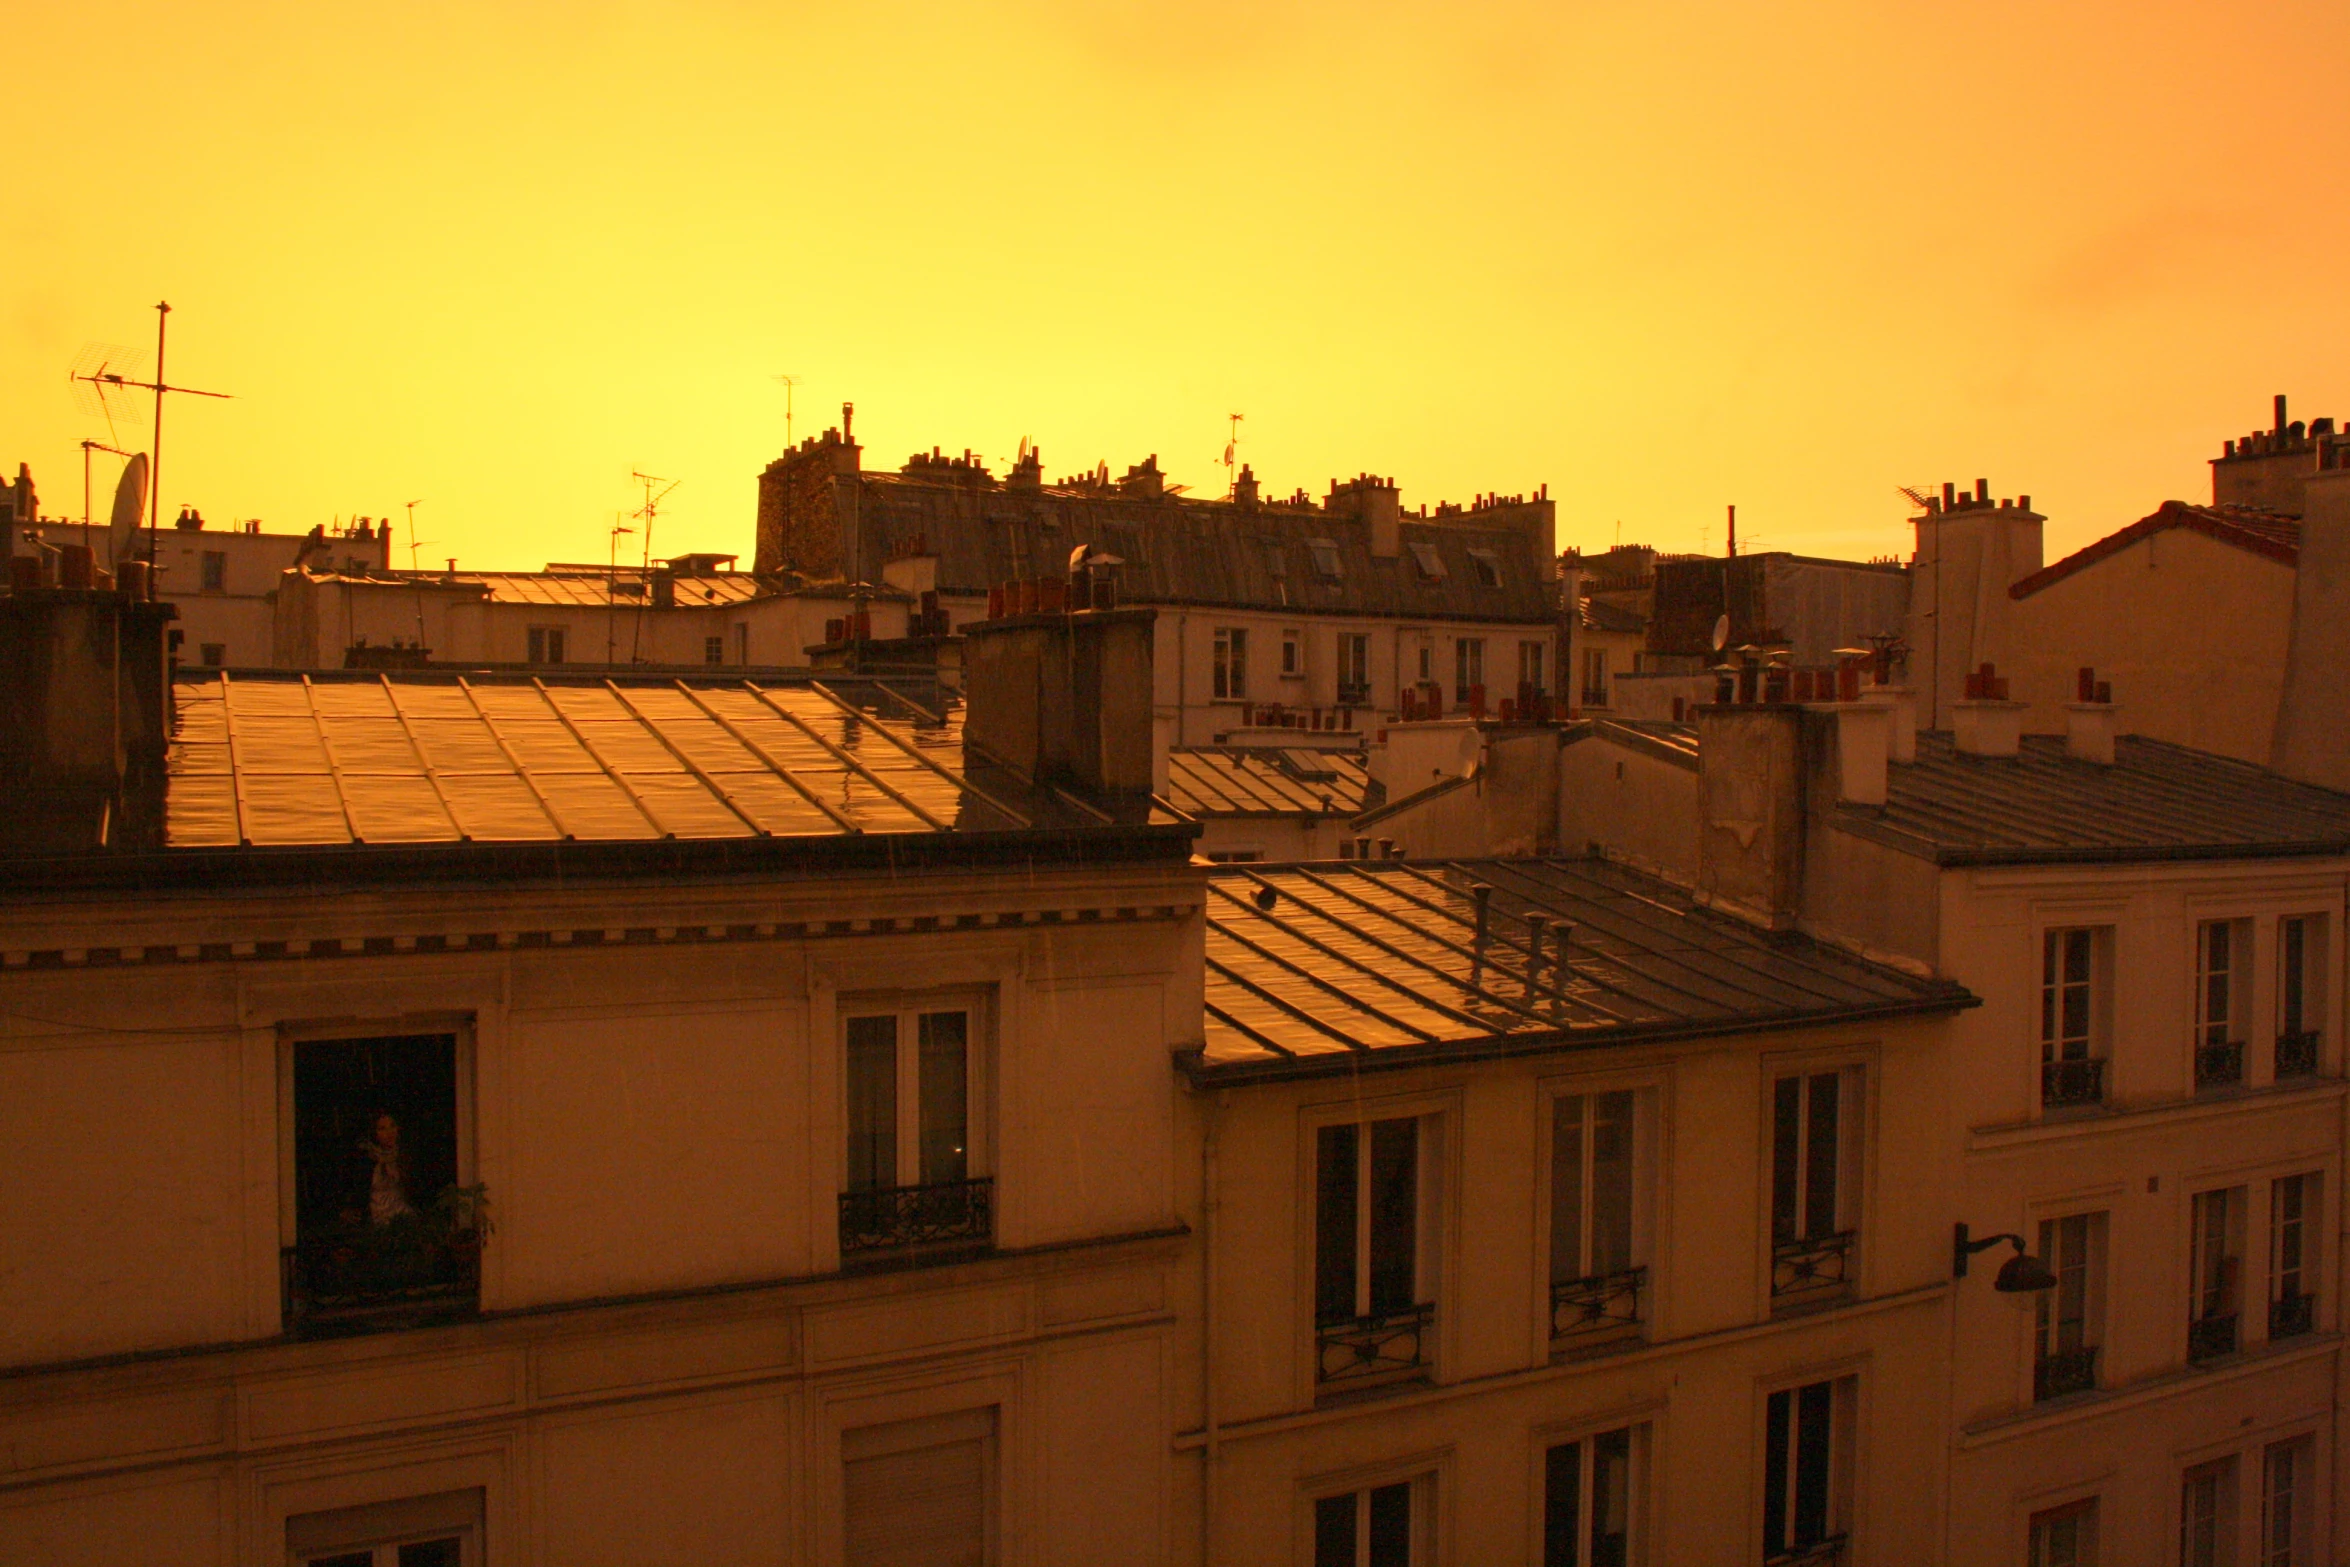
[[1817, 1267], [2210, 1337], [2067, 1085], [892, 1221], [1827, 1552], [2219, 1064], [2297, 1054], [1364, 1351], [1354, 693], [2065, 1371], [2291, 1316], [1596, 1310], [365, 1278]]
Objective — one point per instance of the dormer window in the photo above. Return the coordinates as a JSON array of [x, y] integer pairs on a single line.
[[1488, 567], [1430, 562], [1325, 553]]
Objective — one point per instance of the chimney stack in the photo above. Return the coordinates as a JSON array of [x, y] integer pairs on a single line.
[[1984, 722], [2091, 721], [1064, 698], [85, 693]]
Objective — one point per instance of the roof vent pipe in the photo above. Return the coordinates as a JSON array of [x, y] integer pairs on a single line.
[[1560, 973], [1483, 893], [1535, 925]]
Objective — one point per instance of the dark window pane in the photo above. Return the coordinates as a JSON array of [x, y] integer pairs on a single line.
[[430, 1553], [343, 1559], [1786, 1156], [1611, 1183], [1566, 1189], [1335, 1174], [1775, 1445], [873, 1103], [1395, 1205], [2293, 934], [1391, 1526], [1812, 1421], [375, 1130], [2076, 957], [2076, 1020], [945, 1108], [1334, 1531], [1562, 1506], [1819, 1200], [1611, 1499]]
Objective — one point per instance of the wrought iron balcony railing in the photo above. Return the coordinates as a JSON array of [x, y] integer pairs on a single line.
[[2297, 1054], [1362, 1350], [1812, 1267], [2065, 1371], [363, 1278], [900, 1218], [1826, 1552], [2210, 1337], [2219, 1064], [2065, 1084], [2290, 1316], [1594, 1309], [1354, 693]]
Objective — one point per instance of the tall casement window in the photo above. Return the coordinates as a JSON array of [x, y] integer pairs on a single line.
[[1379, 1526], [2065, 1536], [1468, 667], [2207, 1515], [1596, 1280], [1595, 677], [2292, 1256], [2288, 1498], [546, 644], [2069, 1315], [2072, 1010], [1230, 682], [443, 1530], [1533, 664], [1815, 1149], [215, 571], [1807, 1463], [2300, 993], [1372, 1318], [1589, 1502], [1293, 653], [912, 1179], [1427, 664], [387, 1227], [2221, 950], [921, 1492], [1354, 667], [2215, 1274]]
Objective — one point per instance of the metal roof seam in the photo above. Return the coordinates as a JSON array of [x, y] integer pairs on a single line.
[[1230, 933], [432, 774], [236, 776], [725, 795], [490, 726], [859, 769], [1284, 1004], [838, 817], [643, 807], [1365, 969]]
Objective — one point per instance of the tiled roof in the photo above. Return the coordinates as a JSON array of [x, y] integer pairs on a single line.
[[1335, 967], [1208, 781], [2157, 801], [411, 758], [2267, 534]]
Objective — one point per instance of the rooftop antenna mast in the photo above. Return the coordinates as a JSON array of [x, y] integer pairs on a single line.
[[87, 448], [611, 593], [103, 377], [412, 544], [789, 381], [648, 511], [1231, 452]]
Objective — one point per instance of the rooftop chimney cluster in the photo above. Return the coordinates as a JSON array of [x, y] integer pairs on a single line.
[[1953, 499], [2287, 436]]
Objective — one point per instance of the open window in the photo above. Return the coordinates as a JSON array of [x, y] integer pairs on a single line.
[[2069, 1325], [2294, 1239], [1430, 562], [1325, 557], [2216, 1274], [2076, 1007], [1815, 1186], [1598, 1277], [915, 1180], [387, 1221], [1488, 567]]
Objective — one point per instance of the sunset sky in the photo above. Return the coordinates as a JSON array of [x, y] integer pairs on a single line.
[[1660, 257]]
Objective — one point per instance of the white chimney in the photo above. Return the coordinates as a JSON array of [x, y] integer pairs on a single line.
[[2089, 730], [1987, 728], [1902, 703], [1864, 738]]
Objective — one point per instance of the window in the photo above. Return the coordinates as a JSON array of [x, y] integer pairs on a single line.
[[215, 571], [2221, 947], [1468, 669], [910, 1179], [423, 1531], [920, 1492], [2065, 1536], [1293, 660], [387, 1229], [1380, 1526], [1587, 1500], [1231, 664], [1354, 667], [546, 644], [212, 654], [1276, 560], [2292, 1256], [1325, 554], [1234, 856], [1812, 1203], [2288, 1482], [1533, 664], [1371, 1319], [2300, 993], [1806, 1433], [2072, 1004], [1431, 564], [1595, 1284], [1427, 663], [713, 650], [2074, 1249], [2207, 1514], [1595, 677], [1488, 567], [2215, 1273]]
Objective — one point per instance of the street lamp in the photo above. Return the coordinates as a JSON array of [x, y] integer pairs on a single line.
[[2021, 1274]]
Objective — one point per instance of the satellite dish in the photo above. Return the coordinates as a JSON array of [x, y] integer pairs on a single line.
[[1721, 633], [130, 505]]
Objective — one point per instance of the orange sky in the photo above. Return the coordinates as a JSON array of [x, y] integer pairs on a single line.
[[1656, 256]]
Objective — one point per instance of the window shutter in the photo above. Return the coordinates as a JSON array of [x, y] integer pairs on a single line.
[[916, 1493]]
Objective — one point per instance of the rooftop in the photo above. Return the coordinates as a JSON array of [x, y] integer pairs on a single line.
[[1330, 968], [2270, 535], [1206, 781], [2157, 801], [596, 589], [1658, 737]]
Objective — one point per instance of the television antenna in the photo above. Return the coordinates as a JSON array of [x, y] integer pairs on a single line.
[[112, 378], [1231, 452], [611, 585], [87, 448], [789, 381], [1915, 498], [652, 507], [413, 546]]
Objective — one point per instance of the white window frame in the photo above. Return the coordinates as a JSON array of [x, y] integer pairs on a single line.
[[1843, 1452], [1228, 664], [907, 1009], [1647, 1099], [546, 645]]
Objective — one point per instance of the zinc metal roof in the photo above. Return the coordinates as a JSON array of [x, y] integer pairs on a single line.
[[1658, 737], [2157, 801], [1335, 967], [406, 758], [628, 590], [1207, 781]]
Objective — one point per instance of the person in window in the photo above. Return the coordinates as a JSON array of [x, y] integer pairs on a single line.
[[386, 1174]]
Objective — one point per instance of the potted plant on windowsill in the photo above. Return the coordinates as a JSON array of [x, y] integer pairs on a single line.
[[461, 1217]]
